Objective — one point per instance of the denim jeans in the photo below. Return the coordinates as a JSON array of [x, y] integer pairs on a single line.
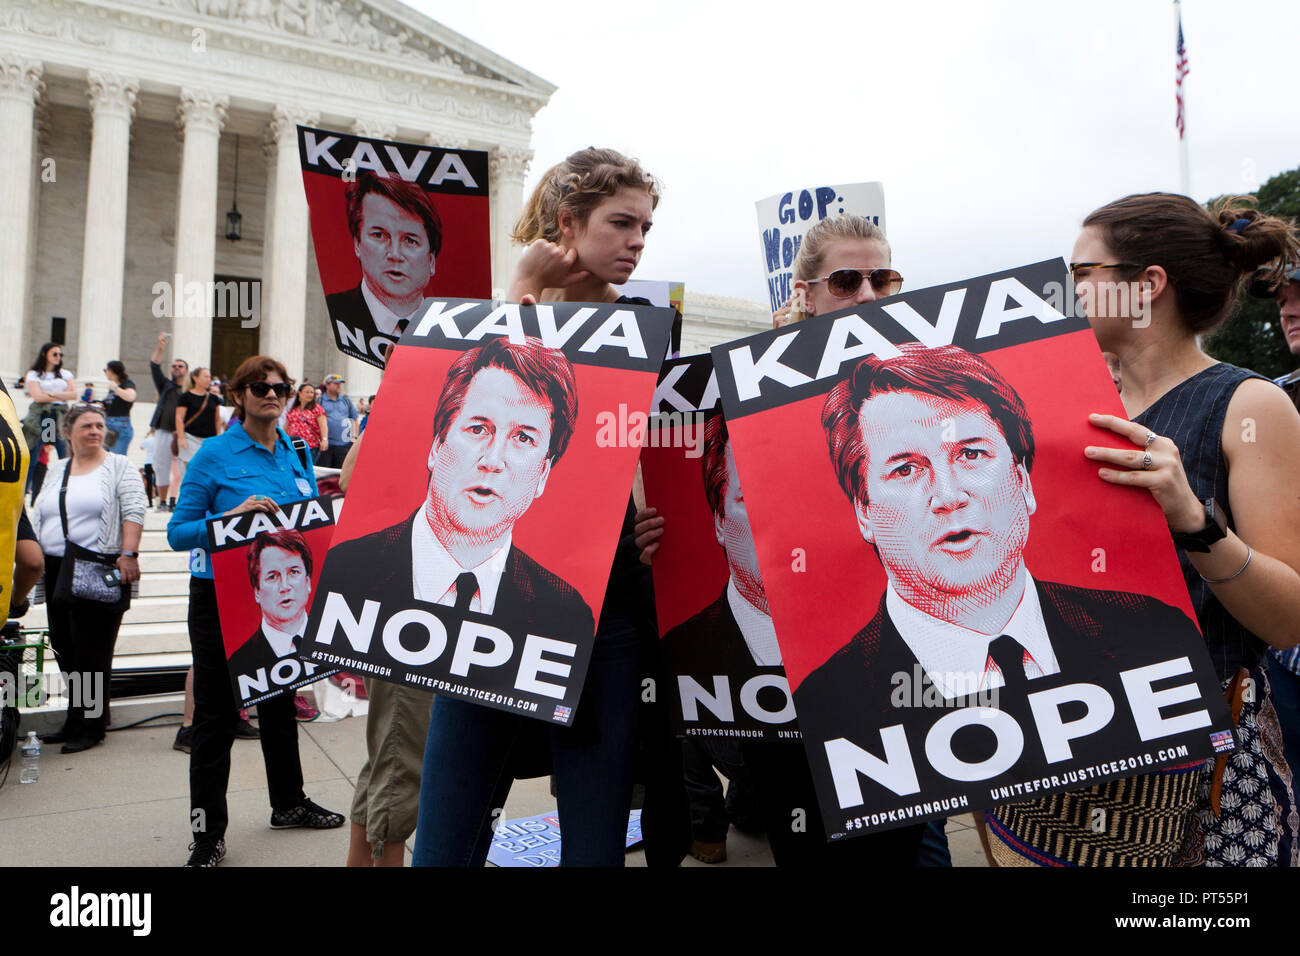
[[468, 762], [122, 425]]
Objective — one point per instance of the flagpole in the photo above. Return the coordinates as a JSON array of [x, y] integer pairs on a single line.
[[1184, 172]]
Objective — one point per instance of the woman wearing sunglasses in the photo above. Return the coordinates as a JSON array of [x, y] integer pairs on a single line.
[[1154, 273], [251, 466], [843, 261]]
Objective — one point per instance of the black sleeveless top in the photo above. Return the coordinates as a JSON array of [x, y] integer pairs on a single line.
[[1192, 415]]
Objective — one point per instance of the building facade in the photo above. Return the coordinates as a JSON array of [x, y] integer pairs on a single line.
[[130, 127]]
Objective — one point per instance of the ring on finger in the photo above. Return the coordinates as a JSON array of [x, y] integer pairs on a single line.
[[1151, 436], [1146, 461]]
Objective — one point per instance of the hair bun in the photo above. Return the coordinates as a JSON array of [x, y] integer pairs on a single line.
[[1250, 239]]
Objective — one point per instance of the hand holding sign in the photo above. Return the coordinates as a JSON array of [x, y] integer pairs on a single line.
[[254, 503]]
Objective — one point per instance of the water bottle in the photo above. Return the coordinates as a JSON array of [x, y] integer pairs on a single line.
[[31, 754]]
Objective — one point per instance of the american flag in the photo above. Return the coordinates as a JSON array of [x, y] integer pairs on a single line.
[[1182, 71]]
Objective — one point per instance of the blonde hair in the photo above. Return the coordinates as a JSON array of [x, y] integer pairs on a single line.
[[818, 242], [579, 184]]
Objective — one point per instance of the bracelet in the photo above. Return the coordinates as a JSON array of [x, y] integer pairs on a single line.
[[1250, 553], [130, 554]]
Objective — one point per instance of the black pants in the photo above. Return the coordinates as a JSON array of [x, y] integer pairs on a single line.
[[332, 457], [82, 636], [780, 775], [216, 712], [712, 813]]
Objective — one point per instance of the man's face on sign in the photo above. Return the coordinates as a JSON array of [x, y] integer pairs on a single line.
[[948, 507], [394, 252], [283, 586], [493, 461], [734, 534]]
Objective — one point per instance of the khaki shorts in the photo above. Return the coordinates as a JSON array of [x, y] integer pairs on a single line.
[[388, 787]]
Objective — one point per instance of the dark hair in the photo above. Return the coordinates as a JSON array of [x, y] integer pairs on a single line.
[[287, 539], [38, 366], [407, 196], [117, 368], [293, 402], [579, 184], [545, 372], [252, 369], [1206, 254], [76, 411], [713, 461], [945, 372]]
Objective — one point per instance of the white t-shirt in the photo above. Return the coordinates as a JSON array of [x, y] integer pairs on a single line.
[[49, 382], [84, 508]]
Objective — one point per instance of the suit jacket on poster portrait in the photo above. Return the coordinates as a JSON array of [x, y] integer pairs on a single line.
[[350, 308], [1095, 634], [248, 657], [530, 598], [708, 643]]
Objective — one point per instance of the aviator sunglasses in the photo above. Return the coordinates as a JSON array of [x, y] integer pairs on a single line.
[[259, 389], [843, 283]]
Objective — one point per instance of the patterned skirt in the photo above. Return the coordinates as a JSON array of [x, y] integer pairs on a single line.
[[1165, 818]]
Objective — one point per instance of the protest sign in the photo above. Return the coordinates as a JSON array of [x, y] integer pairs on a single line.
[[718, 645], [535, 841], [666, 294], [265, 567], [784, 219], [487, 501], [893, 455], [394, 225]]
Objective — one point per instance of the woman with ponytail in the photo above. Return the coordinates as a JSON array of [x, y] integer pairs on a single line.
[[1217, 447]]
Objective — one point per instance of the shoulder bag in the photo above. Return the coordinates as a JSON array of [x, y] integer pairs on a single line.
[[176, 448]]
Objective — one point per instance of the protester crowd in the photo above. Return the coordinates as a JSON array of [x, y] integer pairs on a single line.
[[437, 767]]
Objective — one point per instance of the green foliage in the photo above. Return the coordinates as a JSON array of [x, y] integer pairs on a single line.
[[1252, 337]]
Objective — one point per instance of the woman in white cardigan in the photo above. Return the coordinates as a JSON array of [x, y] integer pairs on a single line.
[[105, 503]]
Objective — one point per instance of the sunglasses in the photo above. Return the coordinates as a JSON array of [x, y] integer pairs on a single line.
[[1077, 267], [260, 389], [843, 283]]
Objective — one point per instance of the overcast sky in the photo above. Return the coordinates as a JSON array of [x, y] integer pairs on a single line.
[[994, 126]]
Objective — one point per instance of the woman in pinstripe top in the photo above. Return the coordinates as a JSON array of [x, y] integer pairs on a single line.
[[1217, 447]]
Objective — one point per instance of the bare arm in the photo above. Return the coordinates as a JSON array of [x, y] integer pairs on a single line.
[[323, 421], [1261, 441], [350, 462], [180, 426], [159, 349], [37, 393], [125, 394], [29, 565]]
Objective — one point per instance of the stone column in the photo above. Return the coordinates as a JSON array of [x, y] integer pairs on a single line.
[[199, 119], [363, 378], [284, 284], [20, 85], [99, 329], [507, 167]]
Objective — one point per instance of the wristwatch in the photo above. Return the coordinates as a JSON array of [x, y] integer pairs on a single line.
[[130, 554], [1216, 529]]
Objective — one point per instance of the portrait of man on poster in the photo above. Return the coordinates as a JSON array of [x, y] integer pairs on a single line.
[[503, 420], [396, 236], [279, 570], [935, 451], [734, 632]]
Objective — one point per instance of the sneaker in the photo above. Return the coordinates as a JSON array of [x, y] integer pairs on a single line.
[[206, 853], [184, 739], [306, 814], [246, 730], [305, 711], [709, 851]]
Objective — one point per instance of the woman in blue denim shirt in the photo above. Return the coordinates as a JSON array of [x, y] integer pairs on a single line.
[[250, 467]]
